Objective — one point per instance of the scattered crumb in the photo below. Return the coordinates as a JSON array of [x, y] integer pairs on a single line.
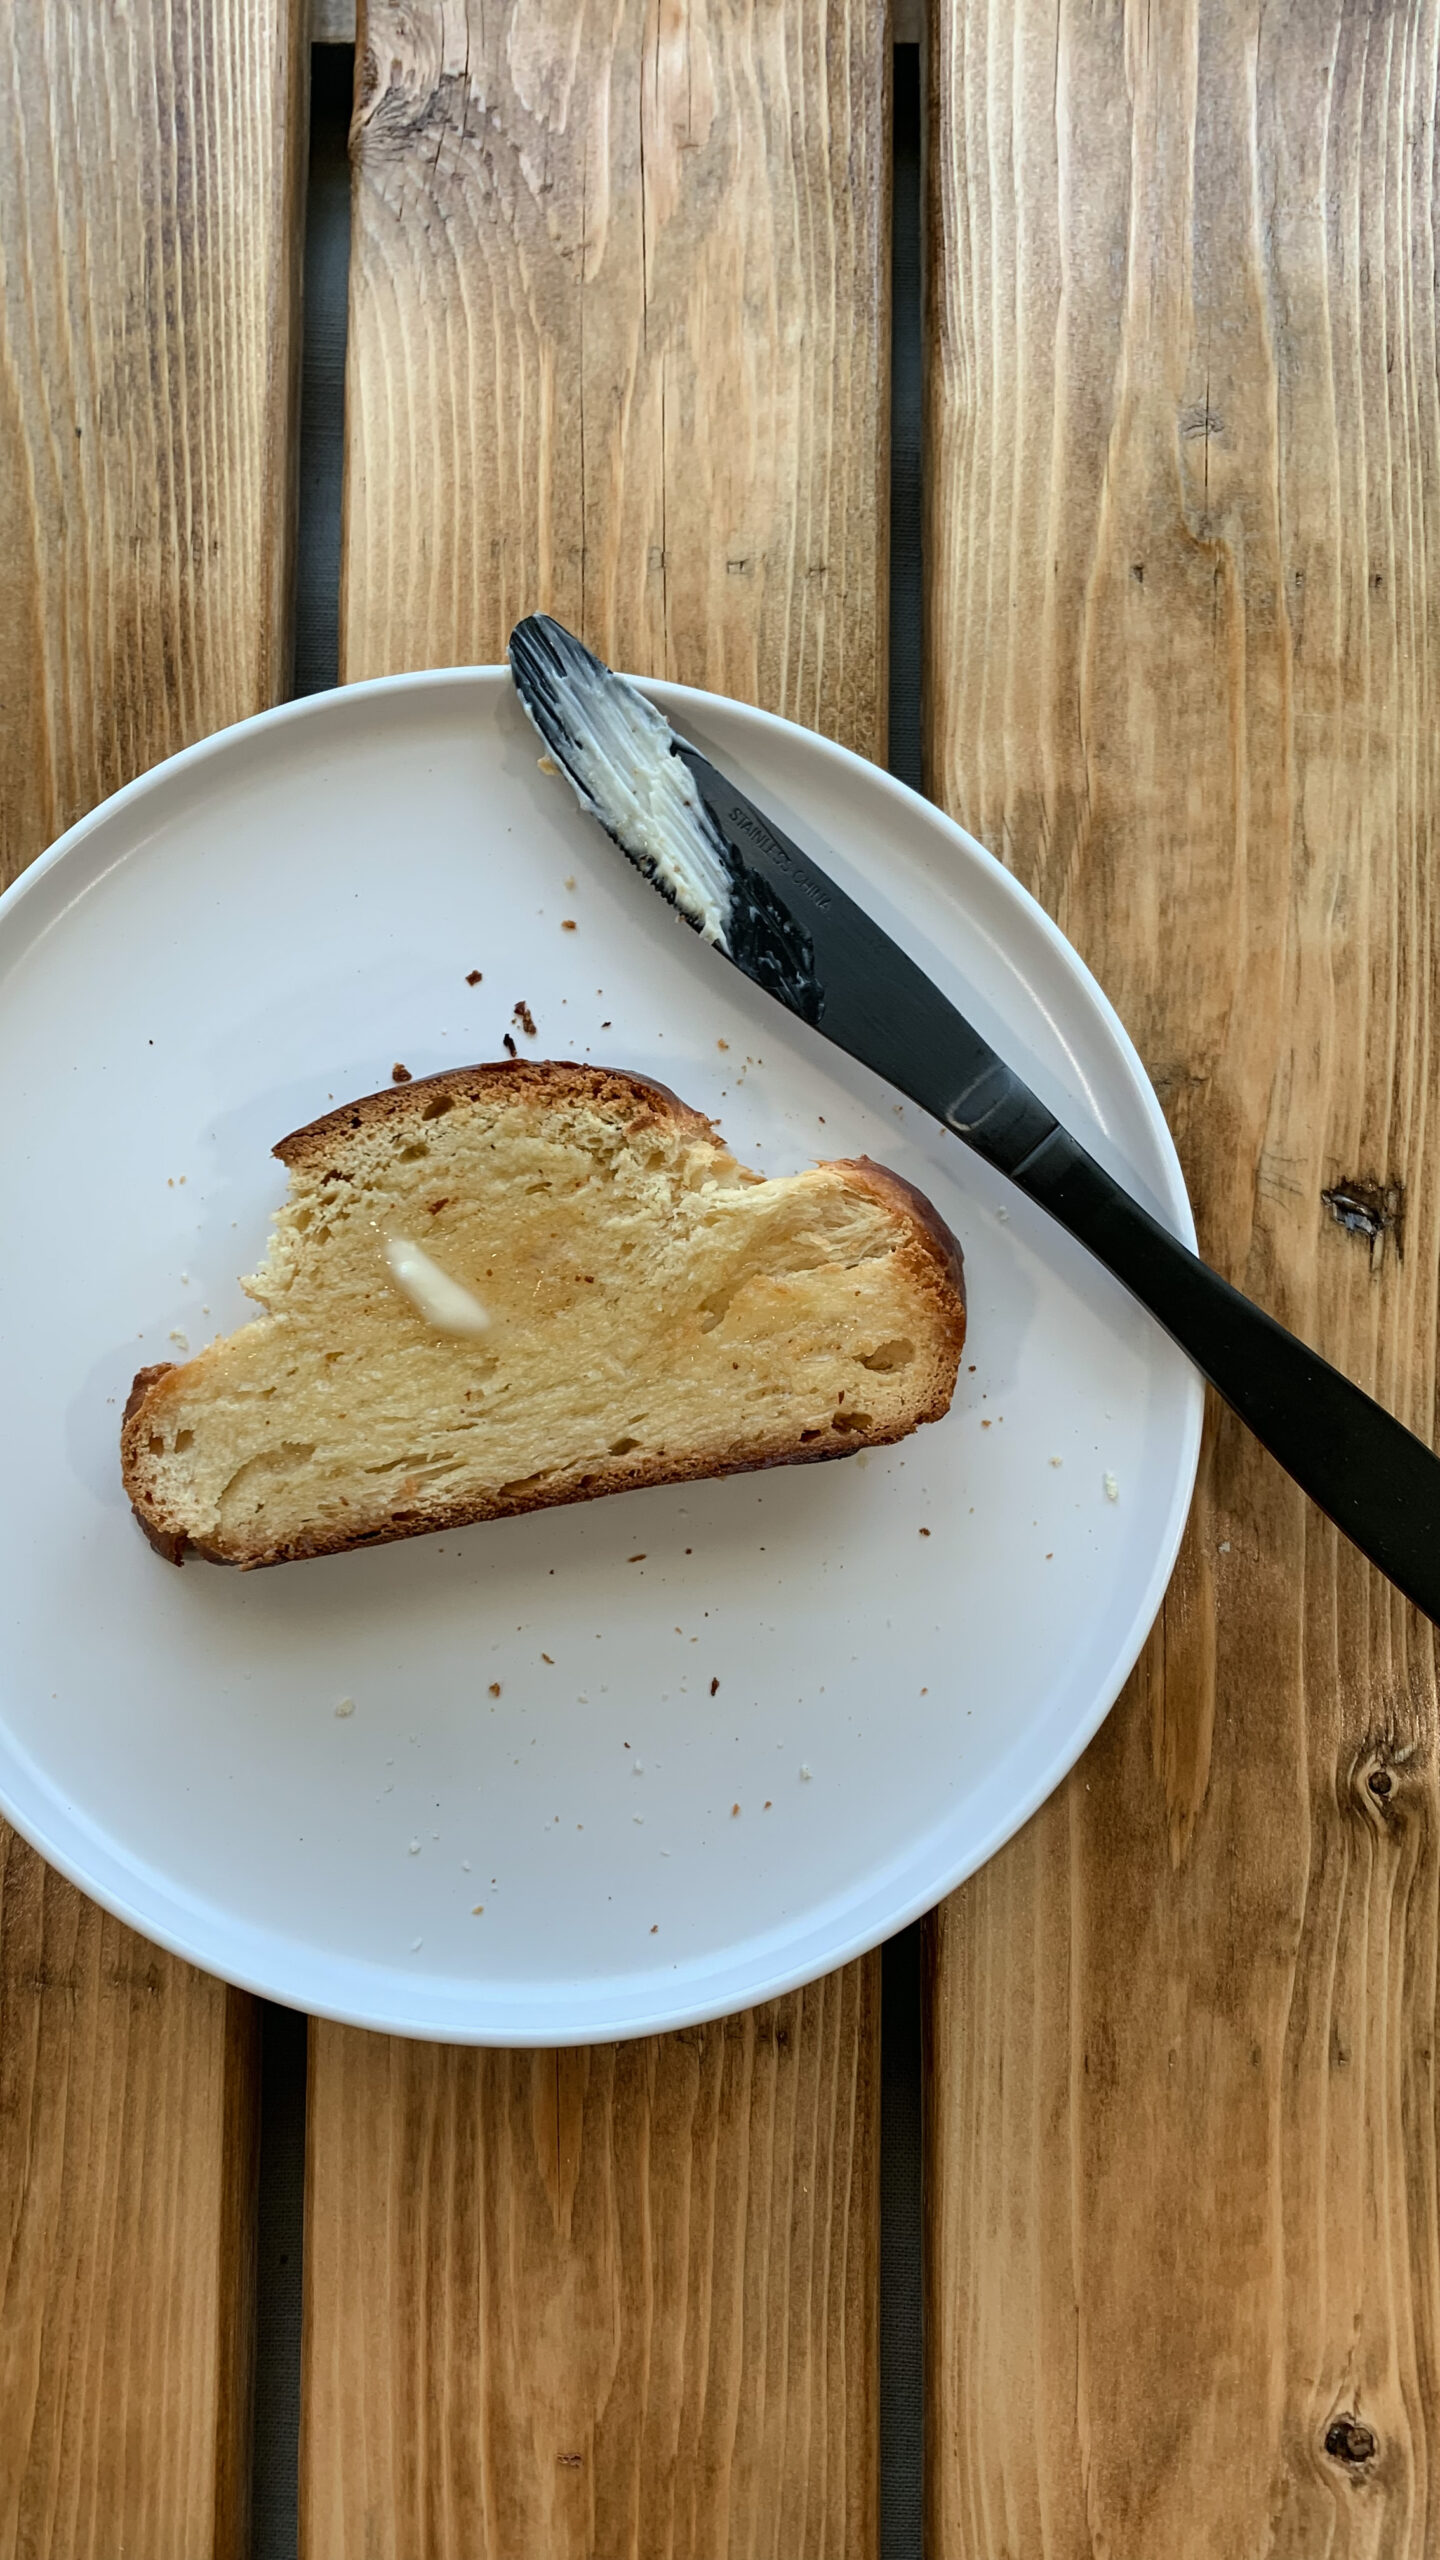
[[475, 1910], [547, 764], [510, 1049], [1224, 1546], [722, 1044], [714, 1685], [985, 1425], [414, 1848], [734, 1809], [182, 1339], [637, 1817], [473, 977], [570, 884], [399, 1074], [567, 924], [550, 1658], [924, 1533], [654, 1927], [766, 1807], [636, 1559], [1057, 1462], [1112, 1489], [604, 1026], [345, 1707], [1049, 1555], [526, 1019], [805, 1769], [494, 1688], [415, 1945]]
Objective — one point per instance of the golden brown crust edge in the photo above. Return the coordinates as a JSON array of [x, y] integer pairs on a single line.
[[932, 1233], [169, 1543], [175, 1544], [934, 1255], [640, 1101]]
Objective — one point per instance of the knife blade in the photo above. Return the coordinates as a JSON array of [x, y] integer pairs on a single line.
[[775, 913]]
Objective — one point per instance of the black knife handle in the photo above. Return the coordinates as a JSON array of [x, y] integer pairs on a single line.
[[1375, 1480]]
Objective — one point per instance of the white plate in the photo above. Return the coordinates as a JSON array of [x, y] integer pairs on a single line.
[[264, 925]]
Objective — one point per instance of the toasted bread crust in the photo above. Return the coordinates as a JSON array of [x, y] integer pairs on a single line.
[[637, 1101], [174, 1542], [169, 1543], [930, 1254], [864, 1174]]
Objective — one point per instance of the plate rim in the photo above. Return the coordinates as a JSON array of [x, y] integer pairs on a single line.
[[674, 698]]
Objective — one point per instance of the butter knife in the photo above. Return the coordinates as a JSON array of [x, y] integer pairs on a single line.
[[771, 910]]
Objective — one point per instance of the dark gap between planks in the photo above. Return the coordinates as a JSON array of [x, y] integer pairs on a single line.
[[280, 2233], [902, 2344], [322, 369], [280, 2225]]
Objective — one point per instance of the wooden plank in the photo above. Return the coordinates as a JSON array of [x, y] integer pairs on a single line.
[[618, 2300], [618, 346], [1184, 663], [150, 204], [620, 343], [149, 210]]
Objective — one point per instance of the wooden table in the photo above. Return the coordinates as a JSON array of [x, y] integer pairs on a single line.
[[619, 343]]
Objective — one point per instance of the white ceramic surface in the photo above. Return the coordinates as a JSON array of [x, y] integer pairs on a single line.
[[264, 925]]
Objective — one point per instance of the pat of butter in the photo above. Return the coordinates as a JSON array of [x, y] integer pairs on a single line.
[[444, 1303]]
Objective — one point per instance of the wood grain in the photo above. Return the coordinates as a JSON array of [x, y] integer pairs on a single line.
[[149, 171], [618, 2300], [620, 342], [127, 2164], [618, 346], [150, 213], [1184, 655]]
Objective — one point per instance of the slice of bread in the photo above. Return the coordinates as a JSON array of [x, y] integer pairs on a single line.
[[650, 1311]]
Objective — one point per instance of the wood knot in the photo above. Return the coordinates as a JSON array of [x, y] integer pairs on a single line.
[[1347, 2441], [1373, 1211], [1377, 1781]]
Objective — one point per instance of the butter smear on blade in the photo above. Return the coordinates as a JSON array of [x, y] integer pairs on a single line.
[[618, 751]]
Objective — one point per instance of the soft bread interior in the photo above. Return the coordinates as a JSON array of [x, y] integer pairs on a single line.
[[655, 1312]]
